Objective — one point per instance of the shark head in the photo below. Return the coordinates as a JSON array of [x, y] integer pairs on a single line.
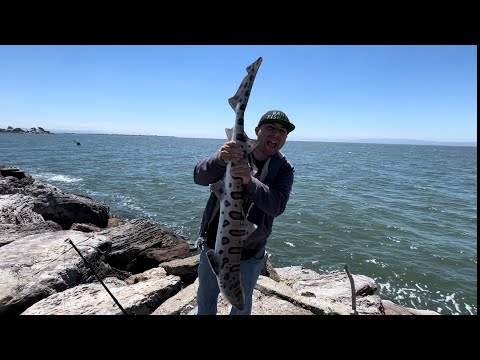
[[238, 300]]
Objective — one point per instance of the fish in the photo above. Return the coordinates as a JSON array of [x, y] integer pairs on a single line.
[[233, 227]]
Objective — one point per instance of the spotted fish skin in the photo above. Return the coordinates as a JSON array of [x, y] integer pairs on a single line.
[[233, 227]]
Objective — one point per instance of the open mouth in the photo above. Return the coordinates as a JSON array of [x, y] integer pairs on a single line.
[[272, 144]]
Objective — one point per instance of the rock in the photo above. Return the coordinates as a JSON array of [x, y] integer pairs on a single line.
[[185, 268], [152, 257], [181, 303], [84, 227], [15, 172], [135, 236], [35, 201], [36, 266], [17, 209], [334, 286], [139, 298], [66, 209], [394, 309], [269, 271], [11, 232]]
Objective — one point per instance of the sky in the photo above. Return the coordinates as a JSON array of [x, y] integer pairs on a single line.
[[330, 92]]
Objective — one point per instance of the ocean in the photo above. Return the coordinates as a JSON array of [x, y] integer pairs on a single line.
[[404, 215]]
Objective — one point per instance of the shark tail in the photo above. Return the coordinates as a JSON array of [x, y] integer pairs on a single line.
[[251, 71]]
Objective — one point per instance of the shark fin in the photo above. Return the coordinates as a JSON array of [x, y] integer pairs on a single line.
[[251, 144], [218, 189], [212, 261], [229, 133]]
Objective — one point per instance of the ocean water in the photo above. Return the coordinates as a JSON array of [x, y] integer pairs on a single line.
[[404, 215]]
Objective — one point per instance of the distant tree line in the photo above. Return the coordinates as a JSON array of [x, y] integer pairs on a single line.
[[33, 130]]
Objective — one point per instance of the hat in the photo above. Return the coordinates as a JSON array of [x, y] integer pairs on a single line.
[[276, 117]]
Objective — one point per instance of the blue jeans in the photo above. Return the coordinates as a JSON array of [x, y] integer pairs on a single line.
[[207, 294]]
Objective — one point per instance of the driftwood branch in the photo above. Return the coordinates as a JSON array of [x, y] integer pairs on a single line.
[[354, 295]]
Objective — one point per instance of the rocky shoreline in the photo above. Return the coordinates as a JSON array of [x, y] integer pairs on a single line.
[[33, 130], [147, 269]]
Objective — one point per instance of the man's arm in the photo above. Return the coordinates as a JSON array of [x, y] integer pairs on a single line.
[[212, 169], [272, 199], [209, 170]]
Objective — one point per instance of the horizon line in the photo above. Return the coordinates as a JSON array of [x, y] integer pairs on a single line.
[[393, 141], [354, 140]]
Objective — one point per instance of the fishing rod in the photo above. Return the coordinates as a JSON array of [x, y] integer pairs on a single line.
[[352, 286], [98, 278]]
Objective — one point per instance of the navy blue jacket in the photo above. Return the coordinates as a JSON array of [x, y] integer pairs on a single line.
[[269, 194]]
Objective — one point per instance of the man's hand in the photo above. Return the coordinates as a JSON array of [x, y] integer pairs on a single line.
[[231, 151], [242, 169]]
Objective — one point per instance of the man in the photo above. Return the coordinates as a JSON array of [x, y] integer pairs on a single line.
[[267, 179]]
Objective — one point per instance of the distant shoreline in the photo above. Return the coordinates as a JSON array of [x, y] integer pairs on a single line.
[[33, 130], [355, 141]]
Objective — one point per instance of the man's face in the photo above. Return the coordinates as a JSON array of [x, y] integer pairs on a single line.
[[272, 137]]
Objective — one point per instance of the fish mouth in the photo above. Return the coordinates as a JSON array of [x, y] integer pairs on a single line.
[[239, 305], [236, 302]]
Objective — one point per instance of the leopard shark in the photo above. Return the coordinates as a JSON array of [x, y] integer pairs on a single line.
[[233, 227]]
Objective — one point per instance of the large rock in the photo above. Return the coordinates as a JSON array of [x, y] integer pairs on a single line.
[[66, 209], [134, 237], [26, 200], [36, 266], [10, 232], [186, 268], [334, 286], [137, 298], [395, 309], [17, 209], [152, 257]]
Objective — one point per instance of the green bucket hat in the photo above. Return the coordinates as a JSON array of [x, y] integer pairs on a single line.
[[276, 117]]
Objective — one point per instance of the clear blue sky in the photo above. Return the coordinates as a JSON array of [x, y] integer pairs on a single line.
[[330, 92]]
